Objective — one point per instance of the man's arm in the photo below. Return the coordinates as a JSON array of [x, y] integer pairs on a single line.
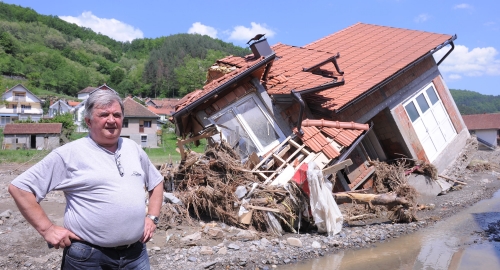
[[154, 207], [32, 211]]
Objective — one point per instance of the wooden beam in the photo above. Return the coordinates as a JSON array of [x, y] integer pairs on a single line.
[[337, 167]]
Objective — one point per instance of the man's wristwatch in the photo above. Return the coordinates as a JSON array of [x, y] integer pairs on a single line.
[[154, 219]]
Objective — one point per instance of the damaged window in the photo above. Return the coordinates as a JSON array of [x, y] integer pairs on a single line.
[[247, 127], [262, 128], [234, 134]]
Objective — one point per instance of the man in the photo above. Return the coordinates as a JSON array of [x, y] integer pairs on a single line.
[[103, 178]]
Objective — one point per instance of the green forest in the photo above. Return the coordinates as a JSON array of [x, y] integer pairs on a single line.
[[45, 53], [470, 102]]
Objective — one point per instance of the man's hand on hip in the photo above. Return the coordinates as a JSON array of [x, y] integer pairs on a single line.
[[59, 237]]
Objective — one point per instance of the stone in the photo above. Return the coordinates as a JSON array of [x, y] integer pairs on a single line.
[[192, 237], [315, 244], [292, 241], [209, 264], [264, 242], [222, 251], [233, 246], [245, 235], [156, 248], [206, 250], [215, 233], [192, 259], [6, 214]]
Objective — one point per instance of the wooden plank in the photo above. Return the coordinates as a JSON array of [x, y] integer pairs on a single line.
[[262, 208], [265, 158], [337, 167], [284, 151]]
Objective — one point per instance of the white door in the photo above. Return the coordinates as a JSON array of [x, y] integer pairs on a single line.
[[430, 121]]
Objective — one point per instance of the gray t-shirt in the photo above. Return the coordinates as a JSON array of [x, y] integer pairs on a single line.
[[103, 208]]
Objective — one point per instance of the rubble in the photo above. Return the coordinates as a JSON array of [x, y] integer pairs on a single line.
[[216, 185]]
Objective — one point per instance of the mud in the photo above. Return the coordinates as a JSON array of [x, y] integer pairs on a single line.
[[231, 248]]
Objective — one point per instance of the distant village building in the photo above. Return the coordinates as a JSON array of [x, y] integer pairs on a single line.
[[163, 107], [41, 136], [78, 109], [140, 124], [485, 126], [18, 103], [59, 107]]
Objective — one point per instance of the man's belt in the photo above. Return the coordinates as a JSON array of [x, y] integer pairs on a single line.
[[99, 247]]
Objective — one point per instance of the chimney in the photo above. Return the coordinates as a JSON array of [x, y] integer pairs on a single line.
[[261, 48]]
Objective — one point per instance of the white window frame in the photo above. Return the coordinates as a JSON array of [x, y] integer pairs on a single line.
[[431, 110], [262, 149]]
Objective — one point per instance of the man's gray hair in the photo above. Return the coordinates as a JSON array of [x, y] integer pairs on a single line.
[[101, 98]]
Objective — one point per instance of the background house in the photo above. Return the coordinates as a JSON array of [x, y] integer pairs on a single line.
[[78, 108], [382, 76], [18, 103], [139, 124], [163, 107], [84, 93], [59, 107], [485, 126], [32, 136]]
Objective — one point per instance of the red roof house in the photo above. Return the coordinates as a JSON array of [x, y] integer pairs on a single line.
[[365, 92], [139, 124], [32, 136], [485, 126]]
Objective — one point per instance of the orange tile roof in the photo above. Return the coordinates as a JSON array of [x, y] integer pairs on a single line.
[[73, 103], [164, 106], [317, 138], [482, 121], [242, 64], [33, 128], [369, 54]]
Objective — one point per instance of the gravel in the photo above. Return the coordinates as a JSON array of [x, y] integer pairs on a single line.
[[22, 248]]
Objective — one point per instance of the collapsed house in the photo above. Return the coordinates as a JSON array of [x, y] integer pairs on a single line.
[[364, 93]]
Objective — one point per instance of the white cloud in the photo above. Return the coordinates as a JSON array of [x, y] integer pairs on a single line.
[[454, 77], [471, 63], [422, 18], [198, 28], [110, 27], [462, 6], [242, 33]]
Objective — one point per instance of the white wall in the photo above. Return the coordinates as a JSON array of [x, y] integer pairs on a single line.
[[488, 135]]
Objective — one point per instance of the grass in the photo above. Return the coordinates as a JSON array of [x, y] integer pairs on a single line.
[[22, 156], [77, 135], [166, 152]]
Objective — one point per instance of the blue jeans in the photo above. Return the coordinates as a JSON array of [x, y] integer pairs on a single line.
[[81, 255]]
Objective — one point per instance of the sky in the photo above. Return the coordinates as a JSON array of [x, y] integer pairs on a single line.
[[473, 65]]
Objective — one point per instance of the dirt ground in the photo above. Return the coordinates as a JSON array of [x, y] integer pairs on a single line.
[[214, 245]]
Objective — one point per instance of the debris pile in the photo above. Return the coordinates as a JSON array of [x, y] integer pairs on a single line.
[[479, 165], [216, 185]]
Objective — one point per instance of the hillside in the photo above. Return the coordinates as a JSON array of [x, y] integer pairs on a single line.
[[470, 102], [46, 53]]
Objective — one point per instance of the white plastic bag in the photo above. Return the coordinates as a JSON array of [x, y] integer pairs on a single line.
[[324, 209]]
